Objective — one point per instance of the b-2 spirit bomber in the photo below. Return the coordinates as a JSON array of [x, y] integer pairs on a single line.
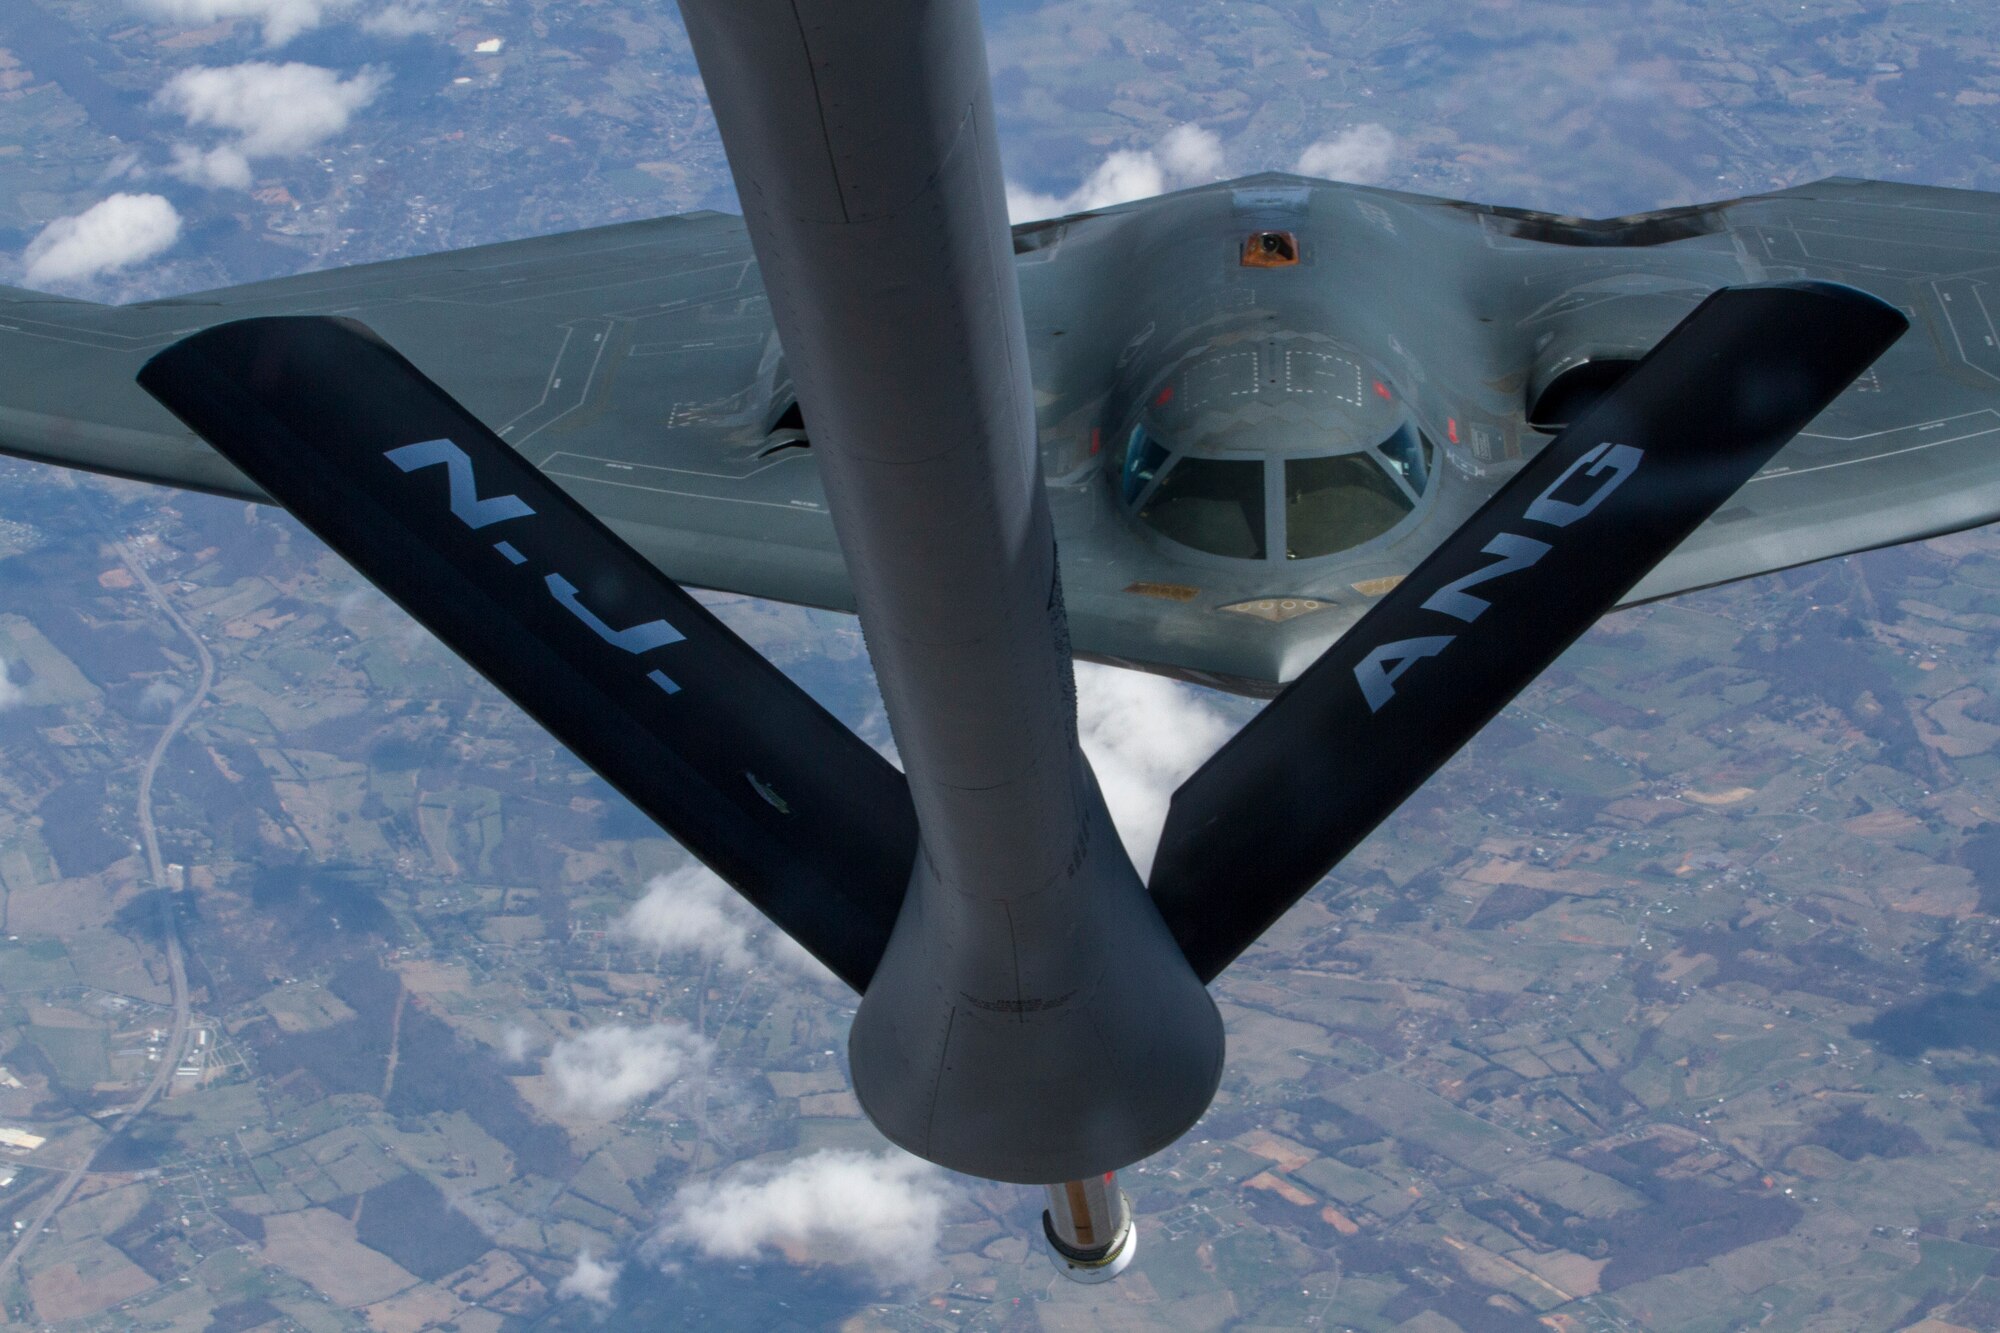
[[1381, 457]]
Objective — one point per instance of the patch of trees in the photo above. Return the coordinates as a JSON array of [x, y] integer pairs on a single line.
[[74, 818], [241, 1316], [409, 1220], [244, 541], [438, 1072], [1466, 1303], [1839, 668], [1855, 1134], [1981, 855], [318, 898], [148, 1241], [42, 589], [143, 916], [1335, 1127], [1532, 1219], [435, 1071], [145, 1144], [224, 812], [1981, 1309], [352, 1055], [1938, 1022], [1686, 1223], [1506, 904], [1302, 1220], [248, 1225]]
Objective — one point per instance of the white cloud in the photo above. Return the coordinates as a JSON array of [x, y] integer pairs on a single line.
[[265, 110], [1143, 735], [399, 20], [1362, 154], [789, 953], [354, 599], [10, 693], [123, 230], [1191, 153], [691, 911], [516, 1042], [225, 167], [282, 20], [1188, 155], [607, 1069], [160, 696], [591, 1280], [881, 1212], [1025, 205], [121, 166]]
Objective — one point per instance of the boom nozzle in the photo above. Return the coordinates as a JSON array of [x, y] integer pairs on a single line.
[[1088, 1226]]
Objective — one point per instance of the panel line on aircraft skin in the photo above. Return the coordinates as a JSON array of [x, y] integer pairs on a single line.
[[1863, 200], [97, 339], [735, 294], [601, 342], [368, 288], [1773, 474], [554, 277], [648, 243], [765, 465], [1986, 362], [558, 286], [569, 332], [790, 506], [725, 343], [1901, 246], [640, 259], [563, 251], [1589, 296]]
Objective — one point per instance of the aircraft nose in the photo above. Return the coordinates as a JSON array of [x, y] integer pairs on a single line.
[[1279, 446]]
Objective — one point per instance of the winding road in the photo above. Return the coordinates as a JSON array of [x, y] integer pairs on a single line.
[[170, 934]]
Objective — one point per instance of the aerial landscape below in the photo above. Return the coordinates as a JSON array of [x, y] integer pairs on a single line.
[[335, 994]]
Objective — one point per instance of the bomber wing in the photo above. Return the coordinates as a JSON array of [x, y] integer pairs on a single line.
[[636, 366], [1913, 449]]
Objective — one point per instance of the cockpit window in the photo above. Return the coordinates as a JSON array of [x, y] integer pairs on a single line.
[[1338, 502], [1212, 504], [1409, 455], [1143, 456]]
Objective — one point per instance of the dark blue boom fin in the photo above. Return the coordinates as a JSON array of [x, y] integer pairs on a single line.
[[734, 760], [1347, 742]]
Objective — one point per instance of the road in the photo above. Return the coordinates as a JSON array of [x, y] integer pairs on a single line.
[[170, 935]]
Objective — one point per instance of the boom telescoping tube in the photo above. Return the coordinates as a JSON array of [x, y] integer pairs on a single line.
[[1032, 1020]]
